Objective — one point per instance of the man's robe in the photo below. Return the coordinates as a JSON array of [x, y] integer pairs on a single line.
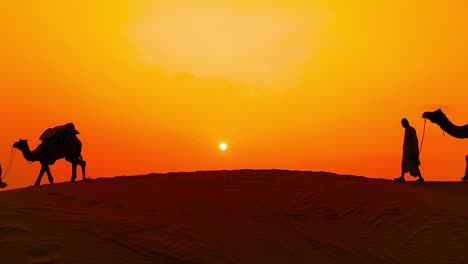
[[410, 162]]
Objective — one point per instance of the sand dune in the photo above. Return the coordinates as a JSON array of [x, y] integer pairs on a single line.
[[244, 216]]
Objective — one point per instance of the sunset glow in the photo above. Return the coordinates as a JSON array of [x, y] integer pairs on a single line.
[[305, 85]]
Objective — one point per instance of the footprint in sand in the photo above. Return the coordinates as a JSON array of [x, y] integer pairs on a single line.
[[185, 213], [93, 203], [119, 206], [393, 210], [12, 230], [42, 261], [10, 233], [11, 217], [151, 210], [332, 216], [297, 216], [42, 255]]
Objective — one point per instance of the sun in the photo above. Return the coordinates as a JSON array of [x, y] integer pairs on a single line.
[[223, 146]]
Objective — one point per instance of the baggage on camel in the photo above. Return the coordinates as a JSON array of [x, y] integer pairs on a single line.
[[67, 129]]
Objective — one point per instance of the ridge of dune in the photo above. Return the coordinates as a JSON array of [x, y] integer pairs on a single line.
[[235, 216]]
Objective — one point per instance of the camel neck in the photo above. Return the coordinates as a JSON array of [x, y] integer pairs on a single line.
[[30, 155], [454, 130]]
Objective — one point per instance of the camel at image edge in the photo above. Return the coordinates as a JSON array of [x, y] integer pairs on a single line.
[[438, 117]]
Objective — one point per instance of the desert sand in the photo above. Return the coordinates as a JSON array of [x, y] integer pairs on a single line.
[[241, 216]]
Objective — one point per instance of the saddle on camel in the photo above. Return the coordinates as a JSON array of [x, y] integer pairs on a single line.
[[64, 130]]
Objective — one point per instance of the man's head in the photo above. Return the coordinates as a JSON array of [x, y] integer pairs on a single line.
[[405, 123]]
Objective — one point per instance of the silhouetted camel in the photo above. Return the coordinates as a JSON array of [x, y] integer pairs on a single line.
[[49, 151], [438, 117], [2, 183]]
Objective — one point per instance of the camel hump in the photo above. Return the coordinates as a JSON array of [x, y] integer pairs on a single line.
[[68, 128]]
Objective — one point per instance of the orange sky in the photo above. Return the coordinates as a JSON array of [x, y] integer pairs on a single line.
[[154, 86]]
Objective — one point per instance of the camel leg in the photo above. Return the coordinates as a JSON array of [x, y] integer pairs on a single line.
[[75, 163], [73, 177], [82, 163], [38, 181], [49, 175], [466, 169]]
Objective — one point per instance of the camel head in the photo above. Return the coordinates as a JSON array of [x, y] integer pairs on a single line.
[[436, 116], [21, 144]]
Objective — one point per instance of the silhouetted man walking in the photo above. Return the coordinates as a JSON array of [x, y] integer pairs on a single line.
[[410, 161]]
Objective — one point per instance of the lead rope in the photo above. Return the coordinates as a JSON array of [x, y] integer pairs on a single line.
[[422, 139], [10, 162]]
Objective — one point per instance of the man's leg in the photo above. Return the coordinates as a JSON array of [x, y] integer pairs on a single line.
[[402, 177], [2, 184], [420, 179]]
